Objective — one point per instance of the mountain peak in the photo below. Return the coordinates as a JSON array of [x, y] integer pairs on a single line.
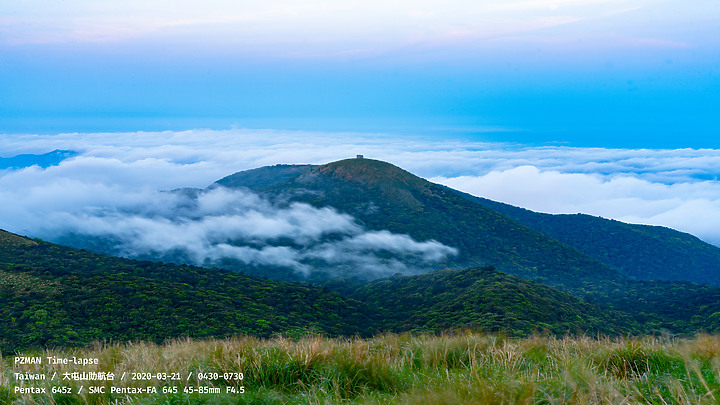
[[368, 171], [358, 171]]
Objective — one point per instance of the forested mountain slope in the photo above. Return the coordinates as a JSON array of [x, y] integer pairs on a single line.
[[638, 251], [384, 197], [484, 298], [53, 295]]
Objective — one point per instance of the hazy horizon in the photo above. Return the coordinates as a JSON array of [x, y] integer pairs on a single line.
[[596, 73]]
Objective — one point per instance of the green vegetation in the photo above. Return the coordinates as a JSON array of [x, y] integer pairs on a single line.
[[51, 295], [488, 300], [385, 197], [465, 368], [150, 317], [54, 296], [638, 251]]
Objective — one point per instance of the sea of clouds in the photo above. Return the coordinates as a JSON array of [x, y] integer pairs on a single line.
[[117, 186], [216, 224]]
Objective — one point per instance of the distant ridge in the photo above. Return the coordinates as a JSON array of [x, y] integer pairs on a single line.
[[641, 252], [44, 160], [264, 176]]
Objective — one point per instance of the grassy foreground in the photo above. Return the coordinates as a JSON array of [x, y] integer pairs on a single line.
[[405, 369]]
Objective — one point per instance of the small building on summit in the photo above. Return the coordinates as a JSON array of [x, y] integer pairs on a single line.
[[359, 156]]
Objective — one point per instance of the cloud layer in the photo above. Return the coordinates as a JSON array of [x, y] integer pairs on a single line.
[[209, 226], [115, 177], [692, 206], [91, 197]]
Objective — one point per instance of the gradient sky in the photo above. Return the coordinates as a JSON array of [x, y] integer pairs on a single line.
[[610, 73]]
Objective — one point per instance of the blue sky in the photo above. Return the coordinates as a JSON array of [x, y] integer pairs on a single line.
[[607, 107], [619, 73]]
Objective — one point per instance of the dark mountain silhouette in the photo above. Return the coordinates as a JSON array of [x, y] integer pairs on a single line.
[[45, 160]]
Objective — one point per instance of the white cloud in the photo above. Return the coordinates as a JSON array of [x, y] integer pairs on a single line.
[[677, 188], [691, 206], [357, 245], [110, 197]]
